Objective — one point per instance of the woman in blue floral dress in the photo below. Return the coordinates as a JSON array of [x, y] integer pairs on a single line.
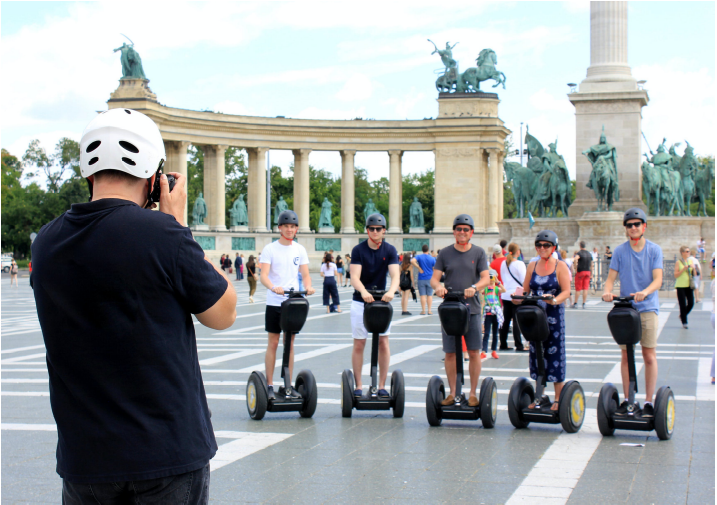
[[549, 276]]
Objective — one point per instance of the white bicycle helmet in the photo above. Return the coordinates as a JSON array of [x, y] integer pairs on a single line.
[[124, 140]]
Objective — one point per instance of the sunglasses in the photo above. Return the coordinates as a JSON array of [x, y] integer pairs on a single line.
[[375, 228], [543, 245], [463, 230], [633, 225]]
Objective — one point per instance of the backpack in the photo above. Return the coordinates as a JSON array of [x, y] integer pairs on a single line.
[[405, 282]]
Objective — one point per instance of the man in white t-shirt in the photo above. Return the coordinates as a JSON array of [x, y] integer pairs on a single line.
[[281, 262]]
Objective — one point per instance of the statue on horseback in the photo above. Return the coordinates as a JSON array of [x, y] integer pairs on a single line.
[[704, 184], [688, 168], [670, 193], [469, 81], [603, 178]]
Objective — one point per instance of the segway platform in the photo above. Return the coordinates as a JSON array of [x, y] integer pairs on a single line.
[[626, 328], [376, 318], [303, 396], [455, 318], [533, 323]]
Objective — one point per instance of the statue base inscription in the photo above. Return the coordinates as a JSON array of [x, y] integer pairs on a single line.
[[199, 227], [416, 230], [327, 229], [242, 228]]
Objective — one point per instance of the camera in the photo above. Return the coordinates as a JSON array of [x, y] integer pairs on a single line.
[[156, 190]]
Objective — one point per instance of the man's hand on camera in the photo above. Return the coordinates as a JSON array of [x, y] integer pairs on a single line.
[[175, 202]]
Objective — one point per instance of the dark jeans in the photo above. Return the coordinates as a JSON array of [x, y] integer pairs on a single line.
[[332, 291], [490, 324], [187, 488], [686, 298], [509, 313]]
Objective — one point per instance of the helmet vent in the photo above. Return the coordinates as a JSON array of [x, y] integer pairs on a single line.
[[128, 112], [129, 161], [129, 147], [94, 145], [95, 159]]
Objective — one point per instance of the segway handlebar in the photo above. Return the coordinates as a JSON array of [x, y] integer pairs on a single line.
[[532, 298], [376, 292], [622, 298], [292, 292]]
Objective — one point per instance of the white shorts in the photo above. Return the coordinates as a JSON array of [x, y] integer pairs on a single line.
[[357, 327]]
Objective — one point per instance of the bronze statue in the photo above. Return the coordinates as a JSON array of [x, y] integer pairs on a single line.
[[325, 217], [238, 213], [704, 182], [199, 212], [468, 81], [131, 62], [416, 214], [369, 209], [687, 167], [603, 178], [280, 207]]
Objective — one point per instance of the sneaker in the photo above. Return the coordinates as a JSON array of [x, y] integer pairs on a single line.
[[472, 401], [448, 401], [574, 305], [626, 409], [293, 393], [483, 355], [684, 325], [405, 313], [382, 393], [358, 393], [583, 305], [647, 410], [251, 299], [270, 391], [494, 355], [521, 349]]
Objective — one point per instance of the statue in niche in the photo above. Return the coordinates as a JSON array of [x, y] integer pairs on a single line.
[[199, 212], [131, 62], [603, 178], [280, 207], [325, 217], [416, 214], [238, 213], [688, 168], [369, 209]]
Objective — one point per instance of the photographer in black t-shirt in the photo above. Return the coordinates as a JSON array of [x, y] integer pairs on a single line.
[[116, 286]]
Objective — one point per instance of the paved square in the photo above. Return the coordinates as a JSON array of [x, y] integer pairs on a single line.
[[372, 456]]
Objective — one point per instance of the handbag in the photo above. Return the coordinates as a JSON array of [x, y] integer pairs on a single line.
[[231, 270]]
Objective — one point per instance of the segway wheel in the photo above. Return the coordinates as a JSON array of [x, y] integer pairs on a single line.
[[521, 395], [488, 402], [257, 399], [608, 400], [435, 394], [398, 393], [572, 407], [306, 386], [664, 413], [347, 393]]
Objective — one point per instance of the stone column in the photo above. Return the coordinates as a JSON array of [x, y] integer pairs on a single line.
[[491, 193], [256, 189], [214, 186], [177, 162], [609, 97], [394, 192], [348, 194], [499, 189], [302, 197]]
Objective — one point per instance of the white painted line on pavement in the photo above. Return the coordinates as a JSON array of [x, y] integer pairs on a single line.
[[662, 318], [590, 303], [668, 305], [18, 349], [403, 356], [298, 357], [707, 306], [615, 375], [244, 444], [23, 369], [705, 389], [25, 393], [409, 320], [28, 427], [243, 330], [559, 469], [25, 381], [228, 357], [21, 358]]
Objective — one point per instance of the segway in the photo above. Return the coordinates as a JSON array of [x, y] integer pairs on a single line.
[[626, 329], [533, 323], [455, 315], [294, 311], [376, 318]]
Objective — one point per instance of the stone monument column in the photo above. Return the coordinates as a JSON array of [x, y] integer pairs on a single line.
[[394, 192], [609, 97], [499, 189], [348, 193], [302, 197], [256, 189], [214, 186], [177, 162], [491, 197]]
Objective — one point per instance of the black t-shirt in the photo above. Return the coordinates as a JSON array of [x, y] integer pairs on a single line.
[[585, 261], [374, 265], [115, 287]]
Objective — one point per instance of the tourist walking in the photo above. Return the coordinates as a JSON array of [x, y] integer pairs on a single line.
[[638, 262], [492, 313], [549, 277], [13, 273], [339, 270], [425, 262], [569, 262], [697, 279], [684, 284], [498, 259], [251, 277], [583, 273], [221, 263], [237, 267], [513, 274], [701, 249], [328, 272], [406, 283]]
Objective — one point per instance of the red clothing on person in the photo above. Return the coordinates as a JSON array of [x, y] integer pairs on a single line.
[[496, 264]]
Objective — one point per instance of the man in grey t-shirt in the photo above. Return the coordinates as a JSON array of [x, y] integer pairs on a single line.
[[466, 269]]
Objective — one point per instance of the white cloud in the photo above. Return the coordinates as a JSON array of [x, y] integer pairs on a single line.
[[357, 87], [544, 101]]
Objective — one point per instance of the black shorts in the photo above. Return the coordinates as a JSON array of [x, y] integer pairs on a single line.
[[272, 319], [473, 339]]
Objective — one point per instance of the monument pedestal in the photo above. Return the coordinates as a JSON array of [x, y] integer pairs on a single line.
[[416, 230], [599, 229], [241, 228], [199, 227], [327, 229], [130, 88]]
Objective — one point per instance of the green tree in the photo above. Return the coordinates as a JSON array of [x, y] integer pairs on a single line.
[[322, 184]]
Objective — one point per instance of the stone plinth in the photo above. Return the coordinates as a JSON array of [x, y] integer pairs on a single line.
[[239, 229], [600, 229], [456, 105], [327, 229], [519, 231], [199, 227], [133, 89], [416, 230]]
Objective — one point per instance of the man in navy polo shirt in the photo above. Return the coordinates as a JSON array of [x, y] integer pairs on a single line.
[[371, 260], [116, 286]]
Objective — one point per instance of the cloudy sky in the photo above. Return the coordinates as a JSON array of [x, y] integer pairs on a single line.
[[342, 60]]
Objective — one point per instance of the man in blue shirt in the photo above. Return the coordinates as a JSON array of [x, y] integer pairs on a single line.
[[639, 264], [371, 260], [424, 262]]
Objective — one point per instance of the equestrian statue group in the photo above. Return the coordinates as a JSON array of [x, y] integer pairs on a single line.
[[543, 186], [451, 80], [671, 182]]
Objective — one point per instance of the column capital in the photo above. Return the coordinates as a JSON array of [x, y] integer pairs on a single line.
[[347, 152], [395, 152], [257, 150], [301, 152]]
